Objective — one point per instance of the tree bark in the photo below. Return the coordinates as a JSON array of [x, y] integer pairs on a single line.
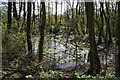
[[56, 13], [9, 15], [108, 30], [29, 43], [102, 24], [24, 12], [33, 13], [117, 66], [94, 59], [41, 29], [20, 9], [15, 11]]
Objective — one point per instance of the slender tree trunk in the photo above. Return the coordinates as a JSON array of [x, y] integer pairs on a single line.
[[24, 17], [9, 15], [29, 43], [24, 12], [33, 13], [15, 11], [72, 9], [108, 30], [118, 43], [49, 13], [61, 13], [102, 24], [56, 13], [94, 59], [41, 28], [77, 9], [20, 9]]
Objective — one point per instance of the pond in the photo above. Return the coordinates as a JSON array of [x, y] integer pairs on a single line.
[[62, 51]]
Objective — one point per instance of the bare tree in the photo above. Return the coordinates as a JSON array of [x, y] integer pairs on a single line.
[[20, 9], [118, 43], [29, 43], [94, 59], [9, 15], [33, 13], [15, 11], [41, 29], [56, 12]]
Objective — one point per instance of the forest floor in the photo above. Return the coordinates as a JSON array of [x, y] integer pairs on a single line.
[[18, 66]]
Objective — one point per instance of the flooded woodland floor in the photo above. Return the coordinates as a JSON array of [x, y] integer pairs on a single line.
[[61, 54]]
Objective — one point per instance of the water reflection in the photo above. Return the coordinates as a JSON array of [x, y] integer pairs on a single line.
[[64, 56]]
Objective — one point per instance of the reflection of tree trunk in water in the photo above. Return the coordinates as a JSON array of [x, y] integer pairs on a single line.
[[94, 58]]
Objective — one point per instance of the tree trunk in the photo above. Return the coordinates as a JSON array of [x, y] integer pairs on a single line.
[[108, 30], [77, 9], [117, 66], [29, 43], [102, 24], [41, 28], [61, 13], [94, 59], [24, 17], [49, 13], [56, 13], [33, 13], [9, 15], [24, 12], [15, 11], [20, 9]]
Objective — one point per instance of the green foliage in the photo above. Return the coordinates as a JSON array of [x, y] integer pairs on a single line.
[[14, 39], [56, 74], [29, 77], [86, 76], [51, 74], [107, 74], [76, 75]]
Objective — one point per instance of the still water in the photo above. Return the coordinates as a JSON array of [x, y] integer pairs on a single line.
[[61, 51]]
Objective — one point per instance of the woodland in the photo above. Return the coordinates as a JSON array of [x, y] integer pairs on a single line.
[[78, 39]]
